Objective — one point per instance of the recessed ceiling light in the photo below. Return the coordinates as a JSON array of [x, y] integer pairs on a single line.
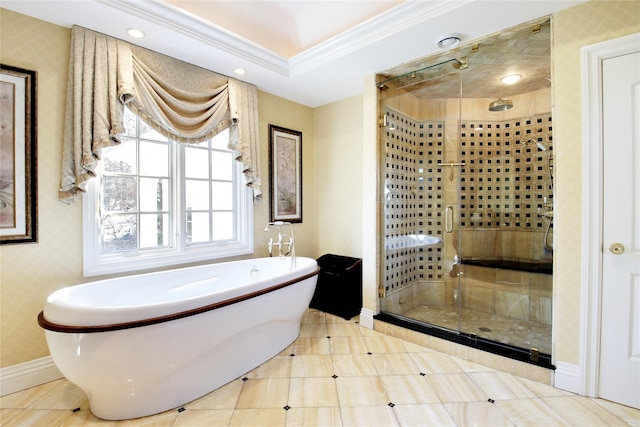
[[510, 79], [135, 33], [240, 71], [449, 40]]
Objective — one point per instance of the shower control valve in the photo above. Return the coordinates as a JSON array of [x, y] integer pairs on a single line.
[[546, 210]]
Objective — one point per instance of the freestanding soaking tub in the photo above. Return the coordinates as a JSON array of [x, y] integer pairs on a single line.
[[147, 343]]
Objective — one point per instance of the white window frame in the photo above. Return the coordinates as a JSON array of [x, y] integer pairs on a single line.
[[96, 263]]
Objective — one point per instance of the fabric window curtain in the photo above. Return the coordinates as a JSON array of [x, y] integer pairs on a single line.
[[181, 101]]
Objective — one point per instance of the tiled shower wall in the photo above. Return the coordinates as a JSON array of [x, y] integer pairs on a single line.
[[505, 179], [503, 183], [413, 198]]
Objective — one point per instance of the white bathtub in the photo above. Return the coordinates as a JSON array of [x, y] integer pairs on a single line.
[[143, 344]]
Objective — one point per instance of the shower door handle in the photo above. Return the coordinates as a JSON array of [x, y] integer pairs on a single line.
[[448, 219]]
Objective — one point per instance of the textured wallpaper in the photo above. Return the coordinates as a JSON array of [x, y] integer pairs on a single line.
[[29, 272], [338, 171], [335, 140], [281, 112], [574, 28]]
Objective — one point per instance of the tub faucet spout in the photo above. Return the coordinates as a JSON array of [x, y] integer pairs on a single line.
[[285, 242]]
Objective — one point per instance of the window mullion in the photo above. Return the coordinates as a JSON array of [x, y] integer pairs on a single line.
[[138, 201], [179, 201], [210, 162]]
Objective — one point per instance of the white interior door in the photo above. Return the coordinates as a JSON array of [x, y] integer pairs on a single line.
[[619, 376]]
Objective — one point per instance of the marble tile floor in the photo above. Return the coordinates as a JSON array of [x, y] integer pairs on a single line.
[[338, 373], [506, 330]]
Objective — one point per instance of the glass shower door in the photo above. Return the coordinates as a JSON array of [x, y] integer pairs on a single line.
[[467, 194], [419, 111]]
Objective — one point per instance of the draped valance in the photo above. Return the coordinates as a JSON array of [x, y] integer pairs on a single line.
[[184, 102]]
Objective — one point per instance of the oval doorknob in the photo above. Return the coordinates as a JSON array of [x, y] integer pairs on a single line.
[[616, 248]]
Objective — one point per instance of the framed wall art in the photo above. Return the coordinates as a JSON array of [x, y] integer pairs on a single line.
[[18, 177], [285, 165]]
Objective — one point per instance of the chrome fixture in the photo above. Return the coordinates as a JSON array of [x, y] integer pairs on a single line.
[[501, 104], [546, 209], [285, 242], [545, 150], [451, 165], [448, 219]]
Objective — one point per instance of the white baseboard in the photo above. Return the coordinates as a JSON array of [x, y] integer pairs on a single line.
[[567, 377], [29, 374], [366, 318]]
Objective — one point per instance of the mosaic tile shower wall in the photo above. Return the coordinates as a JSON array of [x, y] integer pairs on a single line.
[[506, 180], [413, 199]]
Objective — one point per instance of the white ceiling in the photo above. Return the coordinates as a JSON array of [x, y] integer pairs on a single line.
[[310, 52], [286, 27]]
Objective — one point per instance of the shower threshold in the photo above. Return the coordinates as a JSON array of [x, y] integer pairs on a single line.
[[531, 356]]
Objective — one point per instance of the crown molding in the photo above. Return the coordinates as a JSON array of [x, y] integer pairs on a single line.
[[396, 20], [185, 23]]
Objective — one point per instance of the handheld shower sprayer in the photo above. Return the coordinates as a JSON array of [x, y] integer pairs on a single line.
[[275, 224]]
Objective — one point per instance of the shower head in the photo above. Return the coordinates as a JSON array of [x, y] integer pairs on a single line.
[[540, 146], [500, 104]]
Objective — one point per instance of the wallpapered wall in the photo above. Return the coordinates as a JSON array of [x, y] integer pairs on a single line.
[[30, 272], [582, 25], [333, 145], [337, 144]]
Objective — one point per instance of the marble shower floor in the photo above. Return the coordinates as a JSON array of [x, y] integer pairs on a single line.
[[338, 373], [502, 329]]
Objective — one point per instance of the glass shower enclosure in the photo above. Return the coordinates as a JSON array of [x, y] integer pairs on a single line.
[[466, 171]]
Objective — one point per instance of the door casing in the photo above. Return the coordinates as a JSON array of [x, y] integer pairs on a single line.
[[592, 198]]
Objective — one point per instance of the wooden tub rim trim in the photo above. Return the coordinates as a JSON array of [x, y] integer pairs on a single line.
[[68, 329]]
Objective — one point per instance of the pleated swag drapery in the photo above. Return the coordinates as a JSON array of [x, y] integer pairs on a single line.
[[183, 102]]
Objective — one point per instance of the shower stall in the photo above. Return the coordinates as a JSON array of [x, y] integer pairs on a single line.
[[467, 194]]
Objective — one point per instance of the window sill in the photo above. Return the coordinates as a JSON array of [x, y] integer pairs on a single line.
[[133, 262]]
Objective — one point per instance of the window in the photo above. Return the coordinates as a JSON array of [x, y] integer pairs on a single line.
[[156, 203]]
